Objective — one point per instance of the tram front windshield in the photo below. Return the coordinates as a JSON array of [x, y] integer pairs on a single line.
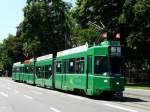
[[101, 65], [109, 66], [116, 64]]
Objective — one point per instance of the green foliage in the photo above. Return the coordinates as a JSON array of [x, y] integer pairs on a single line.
[[45, 28], [1, 63], [12, 47], [136, 19], [81, 36], [11, 51], [129, 17], [106, 11]]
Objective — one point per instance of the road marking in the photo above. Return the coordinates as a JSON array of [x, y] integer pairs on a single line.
[[9, 84], [16, 91], [77, 97], [73, 96], [4, 94], [52, 91], [118, 107], [8, 88], [54, 109], [36, 92], [28, 97]]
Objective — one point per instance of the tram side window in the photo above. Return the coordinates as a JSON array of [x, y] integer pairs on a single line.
[[20, 69], [42, 72], [79, 65], [72, 66], [48, 71], [23, 69], [101, 65], [38, 69], [66, 66], [64, 63], [27, 69], [32, 69], [58, 67], [17, 69]]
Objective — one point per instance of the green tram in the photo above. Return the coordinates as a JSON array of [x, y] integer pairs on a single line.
[[17, 71], [43, 71], [91, 70]]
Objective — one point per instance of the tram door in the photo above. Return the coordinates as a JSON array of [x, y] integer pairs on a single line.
[[53, 73], [88, 70], [64, 66]]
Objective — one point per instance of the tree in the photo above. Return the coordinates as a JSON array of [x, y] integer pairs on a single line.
[[81, 36], [103, 11], [45, 24], [1, 61], [11, 52]]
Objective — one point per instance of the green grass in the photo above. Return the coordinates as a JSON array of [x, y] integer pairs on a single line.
[[138, 86]]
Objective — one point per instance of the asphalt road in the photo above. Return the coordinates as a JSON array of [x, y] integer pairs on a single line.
[[19, 97], [139, 92]]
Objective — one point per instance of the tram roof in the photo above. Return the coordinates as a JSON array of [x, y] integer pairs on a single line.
[[73, 50]]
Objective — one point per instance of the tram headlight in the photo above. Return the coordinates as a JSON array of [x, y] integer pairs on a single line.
[[117, 83], [105, 74], [105, 81]]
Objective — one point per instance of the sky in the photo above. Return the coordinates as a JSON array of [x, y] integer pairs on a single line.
[[11, 14]]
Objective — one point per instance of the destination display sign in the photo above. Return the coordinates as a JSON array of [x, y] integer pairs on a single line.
[[115, 51]]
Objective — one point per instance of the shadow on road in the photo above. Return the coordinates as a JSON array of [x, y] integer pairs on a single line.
[[130, 99], [104, 98], [116, 99]]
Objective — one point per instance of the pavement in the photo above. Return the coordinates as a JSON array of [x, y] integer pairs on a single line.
[[139, 92], [19, 97]]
